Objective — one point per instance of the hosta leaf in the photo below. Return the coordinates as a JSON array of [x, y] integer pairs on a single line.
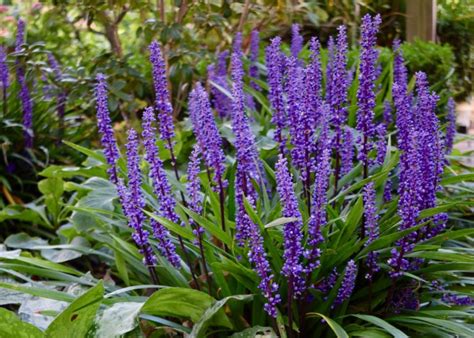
[[256, 331], [118, 319], [181, 303], [78, 317], [12, 327]]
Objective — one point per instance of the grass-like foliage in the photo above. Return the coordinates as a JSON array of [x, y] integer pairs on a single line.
[[310, 193]]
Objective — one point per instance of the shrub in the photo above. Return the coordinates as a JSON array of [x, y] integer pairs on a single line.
[[323, 212]]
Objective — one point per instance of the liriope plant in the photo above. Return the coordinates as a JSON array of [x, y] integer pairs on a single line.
[[315, 203]]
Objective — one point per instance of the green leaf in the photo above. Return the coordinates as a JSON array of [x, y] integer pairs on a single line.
[[85, 151], [180, 303], [446, 325], [200, 327], [335, 327], [256, 331], [12, 327], [383, 324], [118, 319], [40, 292], [79, 316], [457, 178], [24, 241], [280, 221]]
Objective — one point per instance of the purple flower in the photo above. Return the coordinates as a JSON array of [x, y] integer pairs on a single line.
[[312, 83], [366, 89], [457, 300], [25, 98], [300, 123], [274, 60], [206, 132], [133, 201], [409, 179], [247, 170], [330, 69], [254, 49], [62, 96], [387, 113], [20, 35], [404, 299], [371, 227], [162, 99], [400, 73], [193, 187], [218, 75], [104, 125], [347, 285], [318, 217], [4, 71], [347, 151], [387, 191], [247, 155], [161, 186], [296, 41], [429, 146], [451, 127], [337, 95], [293, 233], [258, 258], [380, 143], [327, 283]]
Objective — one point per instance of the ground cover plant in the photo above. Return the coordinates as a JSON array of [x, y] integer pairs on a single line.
[[310, 193]]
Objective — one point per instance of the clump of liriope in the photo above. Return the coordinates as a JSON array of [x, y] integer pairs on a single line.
[[316, 149]]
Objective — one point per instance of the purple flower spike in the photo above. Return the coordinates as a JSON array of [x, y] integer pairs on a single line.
[[20, 35], [4, 71], [254, 49], [327, 284], [62, 96], [193, 187], [366, 90], [297, 117], [293, 233], [161, 186], [274, 60], [371, 227], [206, 132], [347, 151], [296, 41], [451, 127], [162, 99], [134, 202], [247, 170], [247, 155], [330, 69], [337, 96], [104, 125], [25, 98], [318, 217], [218, 74], [387, 113], [258, 258], [387, 191], [347, 285], [313, 79]]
